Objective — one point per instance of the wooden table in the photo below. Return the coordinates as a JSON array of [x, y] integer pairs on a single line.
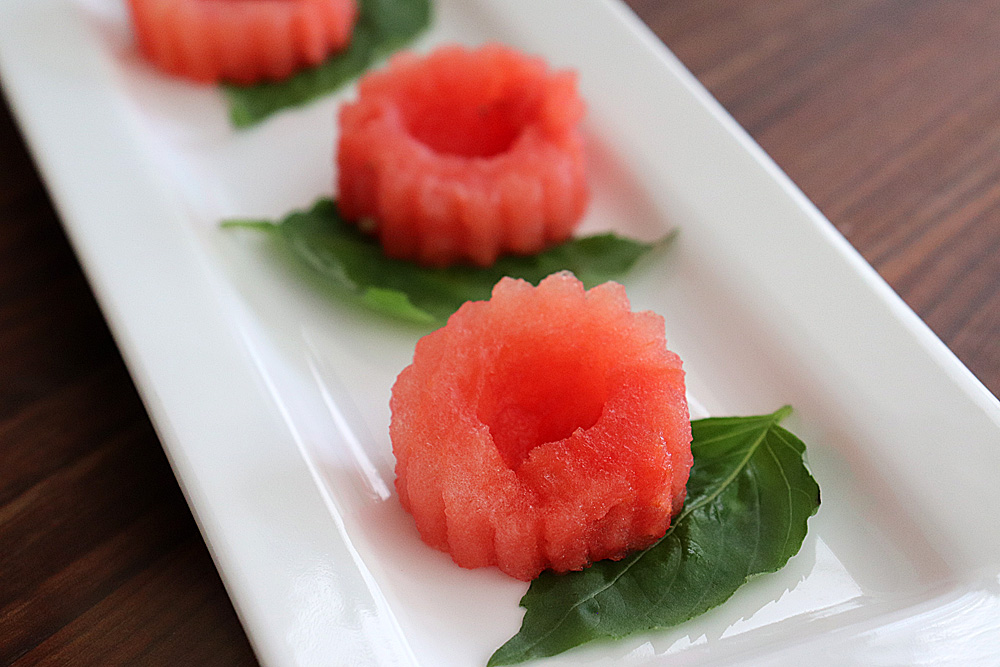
[[886, 113]]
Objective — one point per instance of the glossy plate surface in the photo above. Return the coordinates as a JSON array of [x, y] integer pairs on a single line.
[[272, 401]]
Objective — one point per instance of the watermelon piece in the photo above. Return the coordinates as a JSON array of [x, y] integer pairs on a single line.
[[545, 428], [240, 41], [463, 155]]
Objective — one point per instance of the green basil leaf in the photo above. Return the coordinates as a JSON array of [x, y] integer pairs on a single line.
[[749, 496], [353, 261], [383, 26]]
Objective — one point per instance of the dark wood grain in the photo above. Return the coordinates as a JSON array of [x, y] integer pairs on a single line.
[[885, 112], [100, 560], [887, 115]]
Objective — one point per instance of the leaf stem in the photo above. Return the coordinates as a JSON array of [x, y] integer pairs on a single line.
[[262, 225]]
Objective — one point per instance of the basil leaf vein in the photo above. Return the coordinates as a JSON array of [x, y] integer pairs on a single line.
[[343, 257], [749, 498]]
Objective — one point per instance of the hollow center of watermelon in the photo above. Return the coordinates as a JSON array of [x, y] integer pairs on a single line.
[[467, 121], [540, 395]]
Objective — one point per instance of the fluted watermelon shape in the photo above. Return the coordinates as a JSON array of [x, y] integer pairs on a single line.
[[464, 155], [241, 41], [546, 428]]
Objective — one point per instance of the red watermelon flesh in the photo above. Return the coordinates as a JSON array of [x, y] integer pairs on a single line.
[[463, 155], [241, 41], [545, 428]]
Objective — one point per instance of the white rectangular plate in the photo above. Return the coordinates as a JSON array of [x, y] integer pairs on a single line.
[[272, 402]]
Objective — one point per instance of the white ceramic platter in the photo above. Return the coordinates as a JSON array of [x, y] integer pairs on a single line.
[[272, 401]]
